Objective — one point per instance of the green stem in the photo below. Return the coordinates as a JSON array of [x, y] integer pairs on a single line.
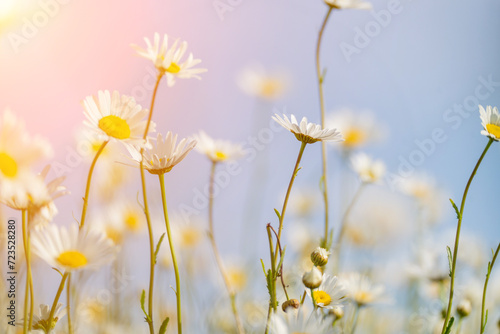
[[457, 237], [146, 213], [355, 320], [272, 302], [490, 267], [172, 251], [313, 300], [28, 271], [89, 179], [322, 109], [288, 191], [56, 299], [232, 293], [68, 306]]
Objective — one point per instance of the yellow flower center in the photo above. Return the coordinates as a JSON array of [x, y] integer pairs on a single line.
[[8, 166], [173, 68], [354, 137], [72, 259], [190, 237], [115, 126], [114, 234], [270, 88], [220, 155], [494, 130], [363, 297], [237, 279], [321, 297], [132, 221]]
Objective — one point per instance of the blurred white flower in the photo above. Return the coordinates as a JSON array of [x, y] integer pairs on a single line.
[[361, 290], [217, 150], [307, 132], [291, 323], [40, 319], [256, 81], [168, 60], [349, 4], [490, 120], [368, 170]]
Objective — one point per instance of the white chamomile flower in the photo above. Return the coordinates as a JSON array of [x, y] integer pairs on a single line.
[[40, 320], [256, 81], [168, 60], [490, 120], [218, 150], [69, 249], [292, 323], [307, 132], [115, 117], [361, 290], [162, 157], [329, 294], [369, 170], [349, 4]]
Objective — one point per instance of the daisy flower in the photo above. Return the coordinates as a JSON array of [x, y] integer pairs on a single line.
[[18, 153], [307, 132], [168, 60], [329, 294], [291, 323], [348, 4], [218, 150], [490, 120], [369, 170], [358, 128], [69, 249], [40, 320], [361, 290], [256, 81], [115, 117], [163, 156]]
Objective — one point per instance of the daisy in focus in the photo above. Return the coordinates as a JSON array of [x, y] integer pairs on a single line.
[[490, 120], [163, 156], [168, 60], [348, 4], [69, 249], [358, 128], [329, 294], [18, 153], [256, 81], [368, 170], [115, 117], [361, 290], [218, 150], [307, 132]]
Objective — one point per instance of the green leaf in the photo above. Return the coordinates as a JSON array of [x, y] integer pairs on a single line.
[[459, 216], [277, 214], [143, 300], [60, 273], [450, 324], [163, 327], [450, 259], [158, 245], [297, 171], [263, 267]]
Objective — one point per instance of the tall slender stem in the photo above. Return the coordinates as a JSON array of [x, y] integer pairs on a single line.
[[172, 251], [146, 212], [322, 109], [28, 270], [56, 299], [457, 237], [87, 188], [490, 267], [232, 293], [355, 320], [288, 191], [68, 304]]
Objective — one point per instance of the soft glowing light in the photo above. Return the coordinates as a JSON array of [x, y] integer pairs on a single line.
[[6, 9]]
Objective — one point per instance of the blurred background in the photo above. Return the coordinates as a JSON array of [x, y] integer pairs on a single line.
[[416, 69]]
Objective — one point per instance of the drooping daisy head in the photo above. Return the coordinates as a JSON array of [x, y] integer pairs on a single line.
[[361, 290], [168, 59], [164, 154], [307, 132], [349, 4], [40, 321], [329, 294], [69, 249], [115, 117], [369, 170], [490, 120], [256, 81], [218, 150], [358, 128]]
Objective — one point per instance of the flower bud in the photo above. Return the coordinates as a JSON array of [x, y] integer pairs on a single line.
[[464, 308], [293, 303], [312, 279], [320, 257], [337, 312]]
